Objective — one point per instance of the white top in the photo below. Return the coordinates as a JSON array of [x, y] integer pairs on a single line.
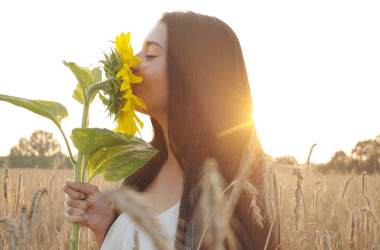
[[120, 234]]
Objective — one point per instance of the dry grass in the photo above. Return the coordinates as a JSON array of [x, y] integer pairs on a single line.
[[342, 210], [50, 230]]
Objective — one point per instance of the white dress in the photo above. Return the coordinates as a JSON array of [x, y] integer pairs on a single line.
[[120, 234]]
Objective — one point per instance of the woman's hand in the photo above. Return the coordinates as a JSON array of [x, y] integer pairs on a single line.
[[85, 204]]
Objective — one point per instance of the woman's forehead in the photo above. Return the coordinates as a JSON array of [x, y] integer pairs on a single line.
[[157, 35]]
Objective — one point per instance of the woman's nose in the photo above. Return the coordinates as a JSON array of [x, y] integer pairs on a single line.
[[135, 68]]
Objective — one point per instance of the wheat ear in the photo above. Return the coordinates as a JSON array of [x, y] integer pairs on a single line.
[[243, 172], [141, 211], [345, 187], [56, 240], [211, 209], [308, 158], [33, 210], [256, 210], [2, 240], [51, 183], [5, 183], [317, 240], [303, 241], [325, 240]]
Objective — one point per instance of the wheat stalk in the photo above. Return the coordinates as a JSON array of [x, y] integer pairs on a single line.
[[316, 202], [308, 158], [141, 211], [363, 181], [368, 201], [303, 241], [352, 233], [18, 191], [297, 197]]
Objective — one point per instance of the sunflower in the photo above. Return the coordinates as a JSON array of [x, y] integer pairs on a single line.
[[121, 101]]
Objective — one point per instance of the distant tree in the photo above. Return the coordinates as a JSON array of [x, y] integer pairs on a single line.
[[365, 156], [39, 151], [367, 152]]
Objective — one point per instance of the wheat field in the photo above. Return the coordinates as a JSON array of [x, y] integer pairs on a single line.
[[339, 215]]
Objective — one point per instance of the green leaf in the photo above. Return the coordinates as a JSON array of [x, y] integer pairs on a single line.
[[118, 162], [82, 74], [78, 94], [90, 140], [51, 110], [115, 155], [96, 74], [104, 99]]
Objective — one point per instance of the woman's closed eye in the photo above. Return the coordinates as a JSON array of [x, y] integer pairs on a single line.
[[150, 56]]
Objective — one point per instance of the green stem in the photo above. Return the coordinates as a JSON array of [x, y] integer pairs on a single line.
[[95, 87], [68, 147], [74, 240]]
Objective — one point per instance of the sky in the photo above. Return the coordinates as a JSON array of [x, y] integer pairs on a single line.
[[313, 66]]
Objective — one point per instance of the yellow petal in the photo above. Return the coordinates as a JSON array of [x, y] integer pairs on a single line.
[[128, 107], [123, 71], [139, 102], [134, 61], [138, 120], [126, 57], [125, 85], [135, 79], [128, 94]]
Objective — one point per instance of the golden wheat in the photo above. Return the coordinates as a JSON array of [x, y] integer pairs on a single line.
[[350, 215]]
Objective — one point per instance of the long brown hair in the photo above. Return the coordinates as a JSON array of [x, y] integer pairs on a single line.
[[209, 93]]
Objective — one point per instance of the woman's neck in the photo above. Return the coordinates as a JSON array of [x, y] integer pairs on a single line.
[[171, 158]]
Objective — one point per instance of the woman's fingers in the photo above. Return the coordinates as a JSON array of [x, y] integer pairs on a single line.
[[76, 218], [80, 204], [74, 211], [75, 195], [82, 187]]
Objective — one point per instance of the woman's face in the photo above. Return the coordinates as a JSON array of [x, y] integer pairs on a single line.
[[154, 89]]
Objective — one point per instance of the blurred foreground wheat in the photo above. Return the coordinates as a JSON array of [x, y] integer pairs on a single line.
[[316, 211]]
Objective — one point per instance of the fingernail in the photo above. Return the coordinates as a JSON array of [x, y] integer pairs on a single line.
[[70, 181], [82, 197], [86, 216]]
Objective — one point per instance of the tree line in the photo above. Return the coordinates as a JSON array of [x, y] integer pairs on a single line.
[[365, 156], [41, 150]]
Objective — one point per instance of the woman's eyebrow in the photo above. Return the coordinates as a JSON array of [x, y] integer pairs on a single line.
[[153, 42]]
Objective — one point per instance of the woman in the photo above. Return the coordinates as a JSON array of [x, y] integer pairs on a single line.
[[195, 87]]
